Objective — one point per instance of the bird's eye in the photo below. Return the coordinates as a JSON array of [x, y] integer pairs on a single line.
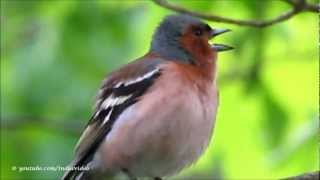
[[198, 32]]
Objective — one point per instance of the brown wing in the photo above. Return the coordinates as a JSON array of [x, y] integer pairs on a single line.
[[119, 91]]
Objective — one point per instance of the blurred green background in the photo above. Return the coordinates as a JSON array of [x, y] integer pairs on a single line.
[[54, 55]]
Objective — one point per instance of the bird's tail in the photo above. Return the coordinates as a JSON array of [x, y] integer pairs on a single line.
[[75, 172], [79, 174]]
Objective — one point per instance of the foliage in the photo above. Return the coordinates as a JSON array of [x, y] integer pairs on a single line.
[[54, 55]]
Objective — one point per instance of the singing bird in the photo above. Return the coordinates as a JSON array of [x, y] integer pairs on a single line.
[[154, 116]]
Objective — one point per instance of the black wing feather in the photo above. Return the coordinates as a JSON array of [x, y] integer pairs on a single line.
[[136, 90]]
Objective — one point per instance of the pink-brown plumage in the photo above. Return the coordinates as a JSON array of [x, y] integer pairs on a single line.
[[155, 116], [177, 131]]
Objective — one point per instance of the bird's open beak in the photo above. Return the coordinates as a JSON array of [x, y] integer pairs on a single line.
[[216, 32], [219, 47]]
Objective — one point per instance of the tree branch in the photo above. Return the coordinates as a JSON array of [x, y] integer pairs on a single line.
[[297, 7], [306, 6], [305, 176]]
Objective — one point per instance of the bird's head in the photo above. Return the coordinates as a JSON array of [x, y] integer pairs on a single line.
[[185, 38]]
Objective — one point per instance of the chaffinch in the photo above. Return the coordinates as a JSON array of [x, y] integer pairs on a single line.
[[154, 116]]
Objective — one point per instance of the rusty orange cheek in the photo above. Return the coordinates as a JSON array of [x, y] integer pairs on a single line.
[[188, 42], [197, 47]]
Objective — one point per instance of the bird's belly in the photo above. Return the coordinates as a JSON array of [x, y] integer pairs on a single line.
[[177, 147], [160, 144]]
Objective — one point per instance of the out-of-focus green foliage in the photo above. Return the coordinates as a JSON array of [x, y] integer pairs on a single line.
[[54, 55]]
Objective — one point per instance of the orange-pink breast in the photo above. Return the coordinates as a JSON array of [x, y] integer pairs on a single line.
[[168, 129]]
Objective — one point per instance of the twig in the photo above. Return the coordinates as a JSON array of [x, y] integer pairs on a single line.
[[305, 176], [297, 7], [307, 6]]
